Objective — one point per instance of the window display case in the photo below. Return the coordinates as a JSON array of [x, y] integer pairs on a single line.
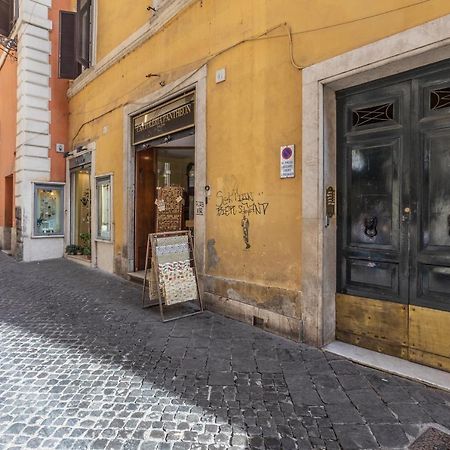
[[48, 210], [104, 208]]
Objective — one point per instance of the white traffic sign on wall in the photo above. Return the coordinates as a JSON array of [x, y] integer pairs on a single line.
[[287, 161]]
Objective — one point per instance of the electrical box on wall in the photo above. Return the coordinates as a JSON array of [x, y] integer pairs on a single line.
[[59, 148], [221, 75]]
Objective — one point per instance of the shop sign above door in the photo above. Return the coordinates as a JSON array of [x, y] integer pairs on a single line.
[[165, 119], [287, 161], [80, 161]]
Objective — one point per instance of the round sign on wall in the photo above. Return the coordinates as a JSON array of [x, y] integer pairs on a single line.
[[287, 161], [286, 153]]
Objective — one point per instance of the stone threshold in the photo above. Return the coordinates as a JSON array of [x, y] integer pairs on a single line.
[[137, 276], [79, 260], [397, 366]]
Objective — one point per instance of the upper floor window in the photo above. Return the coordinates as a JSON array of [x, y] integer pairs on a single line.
[[76, 39], [84, 33], [9, 11]]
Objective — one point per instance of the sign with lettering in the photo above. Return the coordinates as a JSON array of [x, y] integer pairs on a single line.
[[199, 208], [287, 161], [81, 160], [171, 117]]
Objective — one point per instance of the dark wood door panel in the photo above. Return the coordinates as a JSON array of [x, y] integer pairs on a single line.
[[435, 191], [373, 278], [373, 193], [393, 163], [374, 143], [394, 188], [430, 260], [145, 203]]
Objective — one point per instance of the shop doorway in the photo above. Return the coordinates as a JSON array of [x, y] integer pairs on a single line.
[[80, 205], [164, 146], [162, 164], [393, 264]]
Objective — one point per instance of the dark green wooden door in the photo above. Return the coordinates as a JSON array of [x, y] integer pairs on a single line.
[[394, 189]]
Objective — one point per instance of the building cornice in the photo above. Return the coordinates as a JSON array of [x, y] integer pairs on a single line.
[[135, 40]]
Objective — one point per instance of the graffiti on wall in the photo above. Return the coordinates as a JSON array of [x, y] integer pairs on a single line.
[[245, 224], [245, 204], [235, 203]]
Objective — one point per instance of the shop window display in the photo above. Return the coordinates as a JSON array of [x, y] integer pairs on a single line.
[[104, 208], [48, 213], [81, 207], [176, 168]]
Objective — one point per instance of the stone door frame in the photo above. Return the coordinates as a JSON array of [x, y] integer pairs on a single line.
[[424, 44], [196, 81]]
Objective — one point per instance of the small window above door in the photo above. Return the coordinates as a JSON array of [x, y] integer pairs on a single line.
[[373, 115]]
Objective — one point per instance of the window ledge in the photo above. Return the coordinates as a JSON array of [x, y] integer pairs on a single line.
[[48, 236], [79, 259], [104, 241]]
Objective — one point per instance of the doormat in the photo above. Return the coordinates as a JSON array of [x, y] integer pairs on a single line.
[[432, 439]]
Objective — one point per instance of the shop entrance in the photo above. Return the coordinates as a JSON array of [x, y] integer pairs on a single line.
[[171, 164], [164, 140], [393, 268], [80, 204]]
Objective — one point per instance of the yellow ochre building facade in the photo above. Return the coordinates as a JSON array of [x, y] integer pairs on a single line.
[[352, 241]]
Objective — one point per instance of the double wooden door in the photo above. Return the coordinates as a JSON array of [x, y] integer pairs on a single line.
[[394, 189]]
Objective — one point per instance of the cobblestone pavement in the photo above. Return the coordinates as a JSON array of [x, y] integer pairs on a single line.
[[83, 366]]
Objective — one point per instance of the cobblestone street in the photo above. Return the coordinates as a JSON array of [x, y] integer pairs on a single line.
[[83, 366]]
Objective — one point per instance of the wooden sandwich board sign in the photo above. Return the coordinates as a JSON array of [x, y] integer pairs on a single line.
[[170, 272]]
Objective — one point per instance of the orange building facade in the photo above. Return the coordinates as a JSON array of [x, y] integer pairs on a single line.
[[8, 112]]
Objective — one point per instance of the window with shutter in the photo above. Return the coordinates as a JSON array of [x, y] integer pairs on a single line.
[[14, 11], [6, 16], [84, 33], [69, 67]]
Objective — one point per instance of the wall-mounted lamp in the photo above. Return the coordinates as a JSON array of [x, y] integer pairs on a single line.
[[7, 43]]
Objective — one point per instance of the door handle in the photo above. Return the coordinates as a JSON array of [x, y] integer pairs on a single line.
[[406, 214], [370, 226], [448, 224]]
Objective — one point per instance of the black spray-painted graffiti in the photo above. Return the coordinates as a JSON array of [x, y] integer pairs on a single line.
[[235, 203], [245, 224]]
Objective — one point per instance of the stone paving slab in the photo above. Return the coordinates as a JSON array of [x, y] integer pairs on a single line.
[[82, 366]]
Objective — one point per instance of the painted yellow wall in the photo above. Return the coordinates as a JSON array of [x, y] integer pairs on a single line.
[[255, 111], [117, 20]]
